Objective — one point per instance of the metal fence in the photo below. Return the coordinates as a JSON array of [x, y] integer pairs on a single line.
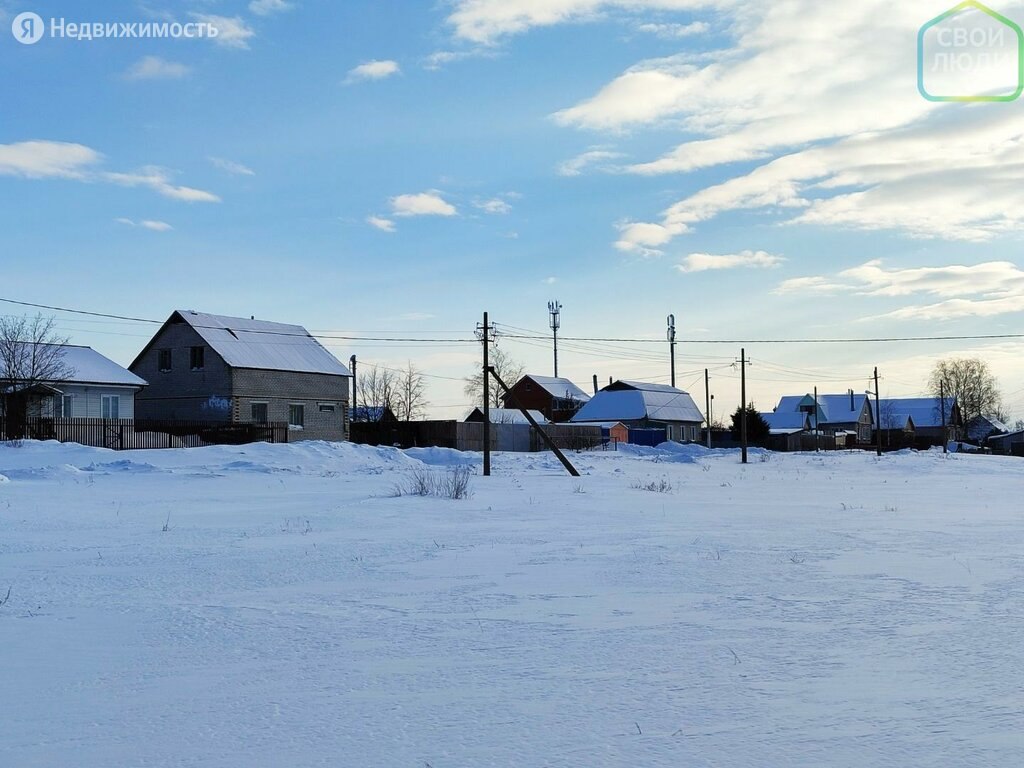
[[128, 434]]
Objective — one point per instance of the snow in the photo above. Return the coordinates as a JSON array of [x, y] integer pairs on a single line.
[[505, 416], [660, 403], [559, 387], [87, 366], [263, 345], [802, 610]]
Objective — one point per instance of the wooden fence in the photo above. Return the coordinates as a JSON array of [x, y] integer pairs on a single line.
[[128, 434]]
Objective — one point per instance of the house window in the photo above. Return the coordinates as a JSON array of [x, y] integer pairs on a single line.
[[327, 408], [296, 415], [111, 406], [165, 360], [197, 358], [259, 413], [67, 407]]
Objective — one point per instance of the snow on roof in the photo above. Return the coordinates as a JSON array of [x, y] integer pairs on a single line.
[[925, 411], [786, 421], [262, 345], [87, 366], [637, 401], [832, 409], [506, 416], [981, 427], [558, 387]]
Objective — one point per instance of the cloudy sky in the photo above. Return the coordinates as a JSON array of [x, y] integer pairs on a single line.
[[764, 171]]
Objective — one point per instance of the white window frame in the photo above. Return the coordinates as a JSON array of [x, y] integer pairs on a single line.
[[109, 404], [292, 425]]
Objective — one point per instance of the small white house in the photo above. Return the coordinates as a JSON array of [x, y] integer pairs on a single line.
[[97, 388]]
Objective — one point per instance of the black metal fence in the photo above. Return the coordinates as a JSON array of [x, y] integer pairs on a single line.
[[128, 434]]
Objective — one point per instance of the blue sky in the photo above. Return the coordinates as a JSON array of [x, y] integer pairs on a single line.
[[394, 169]]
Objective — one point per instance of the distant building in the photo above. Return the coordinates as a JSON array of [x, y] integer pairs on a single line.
[[641, 405], [834, 414], [557, 398], [505, 416], [980, 428], [95, 388], [237, 370], [1009, 444], [372, 413], [785, 429], [927, 415]]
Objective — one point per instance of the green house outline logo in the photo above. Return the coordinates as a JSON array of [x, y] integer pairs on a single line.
[[971, 4]]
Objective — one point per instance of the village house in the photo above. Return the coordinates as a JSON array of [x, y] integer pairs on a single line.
[[638, 404], [93, 387], [236, 370], [557, 398], [834, 414], [931, 420]]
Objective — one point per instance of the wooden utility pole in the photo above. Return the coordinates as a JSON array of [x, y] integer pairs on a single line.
[[743, 404], [352, 362], [671, 335], [487, 397], [878, 417], [942, 409], [707, 401], [817, 432]]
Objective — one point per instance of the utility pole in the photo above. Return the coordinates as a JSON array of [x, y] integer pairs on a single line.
[[595, 383], [942, 408], [817, 432], [486, 335], [878, 417], [555, 312], [707, 401], [743, 404], [670, 334], [352, 363]]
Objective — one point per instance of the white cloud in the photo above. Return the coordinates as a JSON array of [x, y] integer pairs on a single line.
[[438, 59], [703, 262], [423, 204], [159, 180], [373, 70], [229, 166], [232, 31], [980, 290], [494, 206], [674, 31], [268, 7], [384, 225], [47, 159], [150, 224], [643, 239], [487, 21], [593, 156], [550, 280], [155, 68]]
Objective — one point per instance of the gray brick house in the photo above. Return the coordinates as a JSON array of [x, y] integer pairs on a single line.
[[239, 370]]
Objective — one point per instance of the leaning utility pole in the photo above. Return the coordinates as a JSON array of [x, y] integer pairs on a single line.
[[878, 417], [743, 404], [671, 336], [555, 313], [486, 335], [707, 402]]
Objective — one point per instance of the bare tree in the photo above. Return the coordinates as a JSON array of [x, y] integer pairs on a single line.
[[31, 354], [378, 391], [508, 368], [410, 396], [888, 419], [971, 382]]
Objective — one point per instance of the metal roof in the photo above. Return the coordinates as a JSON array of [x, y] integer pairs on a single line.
[[263, 345], [926, 412], [87, 366], [636, 401], [559, 387]]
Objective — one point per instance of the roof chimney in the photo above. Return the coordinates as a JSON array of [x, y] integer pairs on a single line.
[[851, 399]]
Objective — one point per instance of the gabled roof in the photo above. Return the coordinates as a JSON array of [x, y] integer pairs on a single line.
[[636, 401], [832, 409], [506, 416], [558, 387], [372, 413], [925, 411], [981, 427], [261, 345], [87, 366]]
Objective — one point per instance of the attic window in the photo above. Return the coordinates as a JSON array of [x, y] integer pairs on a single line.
[[197, 358], [235, 335]]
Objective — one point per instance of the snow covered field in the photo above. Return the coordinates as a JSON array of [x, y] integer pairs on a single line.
[[831, 610]]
